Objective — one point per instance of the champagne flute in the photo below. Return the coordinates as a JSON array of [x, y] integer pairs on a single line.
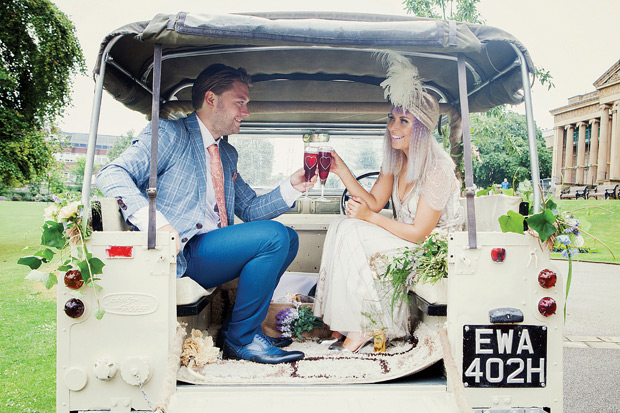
[[325, 162], [310, 161]]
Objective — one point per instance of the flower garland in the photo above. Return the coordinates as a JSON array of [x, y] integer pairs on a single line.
[[63, 250], [556, 231], [295, 320]]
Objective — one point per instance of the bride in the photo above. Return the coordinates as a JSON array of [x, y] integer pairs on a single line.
[[419, 177]]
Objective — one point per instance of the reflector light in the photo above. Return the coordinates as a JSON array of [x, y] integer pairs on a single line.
[[547, 278], [498, 254], [74, 308], [547, 306], [119, 251], [73, 279]]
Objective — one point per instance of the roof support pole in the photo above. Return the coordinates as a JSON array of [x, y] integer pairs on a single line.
[[92, 141], [531, 131], [470, 192], [151, 191]]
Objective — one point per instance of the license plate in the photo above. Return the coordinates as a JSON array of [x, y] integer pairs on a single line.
[[504, 356]]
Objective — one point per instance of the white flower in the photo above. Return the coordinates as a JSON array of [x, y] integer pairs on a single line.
[[50, 213], [68, 211]]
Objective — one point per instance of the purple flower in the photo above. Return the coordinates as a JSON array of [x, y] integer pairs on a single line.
[[563, 239], [55, 199]]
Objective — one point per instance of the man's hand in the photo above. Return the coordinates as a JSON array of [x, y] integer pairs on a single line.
[[298, 180], [169, 228]]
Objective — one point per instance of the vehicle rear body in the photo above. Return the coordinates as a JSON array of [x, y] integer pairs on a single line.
[[314, 73]]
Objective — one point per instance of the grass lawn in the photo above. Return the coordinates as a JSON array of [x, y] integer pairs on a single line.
[[600, 218], [27, 316]]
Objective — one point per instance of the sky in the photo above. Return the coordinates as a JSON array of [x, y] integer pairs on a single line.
[[575, 41]]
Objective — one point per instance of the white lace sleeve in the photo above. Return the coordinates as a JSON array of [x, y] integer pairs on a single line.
[[438, 186]]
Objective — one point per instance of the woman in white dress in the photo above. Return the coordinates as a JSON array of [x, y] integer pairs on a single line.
[[419, 176]]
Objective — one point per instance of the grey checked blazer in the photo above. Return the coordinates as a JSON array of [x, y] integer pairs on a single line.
[[181, 181]]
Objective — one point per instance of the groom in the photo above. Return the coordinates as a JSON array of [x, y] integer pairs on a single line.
[[199, 190]]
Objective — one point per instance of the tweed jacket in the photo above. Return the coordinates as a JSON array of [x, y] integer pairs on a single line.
[[181, 181]]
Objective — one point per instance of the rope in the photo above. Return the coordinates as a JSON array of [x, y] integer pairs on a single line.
[[168, 386], [453, 374]]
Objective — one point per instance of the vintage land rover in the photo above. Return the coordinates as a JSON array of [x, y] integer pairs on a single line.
[[482, 342]]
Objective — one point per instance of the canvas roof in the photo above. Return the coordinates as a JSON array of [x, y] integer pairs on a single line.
[[310, 67]]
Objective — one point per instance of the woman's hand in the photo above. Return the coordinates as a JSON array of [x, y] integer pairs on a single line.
[[338, 166], [358, 208]]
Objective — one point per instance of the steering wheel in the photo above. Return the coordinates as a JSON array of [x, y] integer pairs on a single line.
[[345, 194]]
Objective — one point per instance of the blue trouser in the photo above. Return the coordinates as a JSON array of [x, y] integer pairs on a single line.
[[256, 252]]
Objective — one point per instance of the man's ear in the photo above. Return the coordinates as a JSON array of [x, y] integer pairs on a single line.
[[210, 99]]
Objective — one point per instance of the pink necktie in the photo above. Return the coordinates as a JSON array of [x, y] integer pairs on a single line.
[[218, 182]]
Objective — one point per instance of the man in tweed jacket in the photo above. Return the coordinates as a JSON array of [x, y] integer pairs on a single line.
[[257, 251]]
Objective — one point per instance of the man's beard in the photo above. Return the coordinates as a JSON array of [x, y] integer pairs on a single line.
[[222, 123]]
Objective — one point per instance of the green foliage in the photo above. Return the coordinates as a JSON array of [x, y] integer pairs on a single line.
[[460, 10], [120, 145], [502, 143], [39, 53], [63, 234], [427, 263]]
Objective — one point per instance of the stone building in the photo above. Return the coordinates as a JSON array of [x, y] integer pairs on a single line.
[[586, 148]]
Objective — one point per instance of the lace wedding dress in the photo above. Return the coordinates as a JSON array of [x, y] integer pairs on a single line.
[[350, 297]]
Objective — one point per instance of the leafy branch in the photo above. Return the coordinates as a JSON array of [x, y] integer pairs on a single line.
[[62, 232]]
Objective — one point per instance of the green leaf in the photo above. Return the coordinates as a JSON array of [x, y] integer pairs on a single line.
[[512, 222], [76, 294], [483, 192], [53, 235], [83, 266], [100, 313], [509, 192], [46, 254], [550, 204], [96, 265], [48, 279], [64, 268], [543, 224], [31, 261]]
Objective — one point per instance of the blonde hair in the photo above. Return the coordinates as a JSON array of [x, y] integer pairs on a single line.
[[424, 152]]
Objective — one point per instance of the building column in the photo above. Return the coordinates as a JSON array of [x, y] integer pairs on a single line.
[[558, 146], [614, 150], [568, 158], [581, 153], [603, 146], [593, 156]]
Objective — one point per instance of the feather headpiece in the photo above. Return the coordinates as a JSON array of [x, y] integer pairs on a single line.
[[404, 88]]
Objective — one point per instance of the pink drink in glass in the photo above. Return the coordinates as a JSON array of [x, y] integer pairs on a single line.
[[310, 161], [325, 161]]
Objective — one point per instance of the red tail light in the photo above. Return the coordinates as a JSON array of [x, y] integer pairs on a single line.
[[547, 278], [74, 308], [547, 306], [73, 279], [498, 254]]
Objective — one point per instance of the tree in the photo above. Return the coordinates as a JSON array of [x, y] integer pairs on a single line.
[[501, 140], [120, 145], [39, 53], [462, 11]]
